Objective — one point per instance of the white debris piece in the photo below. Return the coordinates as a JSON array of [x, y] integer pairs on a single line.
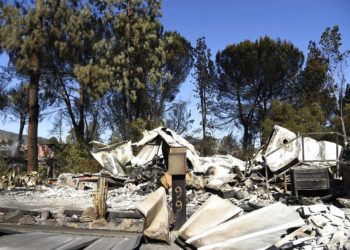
[[146, 155], [225, 162], [336, 211], [214, 211], [281, 149], [172, 139], [284, 149], [114, 157], [158, 215], [319, 220], [258, 229], [316, 208]]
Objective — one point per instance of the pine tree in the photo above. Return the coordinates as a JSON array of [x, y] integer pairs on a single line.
[[204, 76], [337, 60], [147, 64], [23, 39], [252, 74], [77, 70]]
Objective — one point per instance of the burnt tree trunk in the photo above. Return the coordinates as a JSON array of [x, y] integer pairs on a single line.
[[79, 128], [204, 118], [246, 138], [33, 90], [126, 88], [33, 96]]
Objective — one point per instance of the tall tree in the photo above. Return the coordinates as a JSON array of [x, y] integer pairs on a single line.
[[22, 38], [33, 93], [330, 46], [251, 75], [312, 86], [136, 50], [204, 76], [147, 66], [175, 69], [76, 67]]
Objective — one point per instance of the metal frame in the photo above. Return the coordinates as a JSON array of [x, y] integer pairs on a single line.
[[302, 135]]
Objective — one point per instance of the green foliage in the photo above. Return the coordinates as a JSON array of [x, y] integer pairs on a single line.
[[4, 169], [18, 101], [74, 158], [3, 95], [208, 146], [303, 120], [139, 125], [229, 145], [313, 84], [336, 123]]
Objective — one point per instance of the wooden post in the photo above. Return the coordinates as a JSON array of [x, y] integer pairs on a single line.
[[179, 200], [177, 168]]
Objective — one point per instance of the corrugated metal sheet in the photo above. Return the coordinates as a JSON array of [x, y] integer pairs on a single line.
[[173, 140], [147, 154]]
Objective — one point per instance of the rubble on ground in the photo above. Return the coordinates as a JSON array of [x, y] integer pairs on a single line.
[[230, 202], [327, 227]]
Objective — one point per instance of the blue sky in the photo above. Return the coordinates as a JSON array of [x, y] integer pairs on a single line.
[[224, 22]]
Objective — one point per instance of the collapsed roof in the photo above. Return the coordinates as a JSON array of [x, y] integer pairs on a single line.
[[155, 144], [157, 138]]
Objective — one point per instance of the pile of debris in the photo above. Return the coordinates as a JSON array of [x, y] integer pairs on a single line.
[[257, 200], [274, 226], [327, 226]]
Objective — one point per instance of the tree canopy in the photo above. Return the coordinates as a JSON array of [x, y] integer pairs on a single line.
[[251, 75]]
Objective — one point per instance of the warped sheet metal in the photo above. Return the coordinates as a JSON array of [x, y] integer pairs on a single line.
[[172, 139], [225, 162], [158, 215], [284, 148], [281, 149], [147, 154], [114, 157], [258, 229], [213, 212], [263, 239]]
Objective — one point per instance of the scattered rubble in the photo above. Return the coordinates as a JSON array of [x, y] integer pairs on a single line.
[[327, 227], [230, 203]]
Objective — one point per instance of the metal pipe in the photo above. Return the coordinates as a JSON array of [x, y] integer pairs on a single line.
[[336, 150], [302, 147]]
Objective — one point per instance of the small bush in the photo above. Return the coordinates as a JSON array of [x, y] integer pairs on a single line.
[[74, 158], [4, 169]]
